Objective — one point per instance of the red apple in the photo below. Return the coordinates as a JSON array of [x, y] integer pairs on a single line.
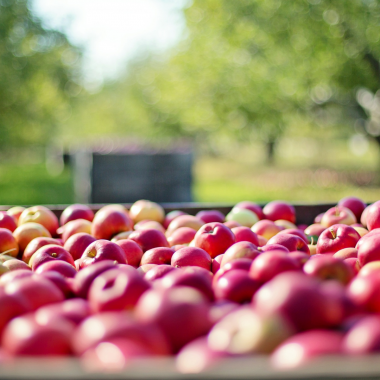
[[356, 205], [191, 256], [211, 216], [296, 232], [121, 236], [62, 267], [170, 216], [182, 235], [240, 250], [354, 264], [35, 245], [215, 266], [41, 215], [101, 250], [368, 248], [214, 238], [77, 243], [149, 225], [245, 234], [243, 264], [337, 237], [292, 242], [273, 247], [8, 243], [16, 212], [14, 275], [25, 233], [158, 272], [50, 252], [363, 218], [148, 239], [266, 228], [300, 257], [132, 251], [338, 215], [143, 209], [7, 221], [74, 227], [76, 211], [143, 269], [280, 210], [252, 207], [159, 255], [364, 291]]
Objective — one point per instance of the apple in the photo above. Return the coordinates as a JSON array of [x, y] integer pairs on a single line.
[[74, 227], [211, 216], [346, 253], [214, 238], [180, 312], [364, 291], [184, 221], [245, 234], [318, 218], [300, 257], [170, 216], [337, 237], [101, 250], [232, 224], [266, 228], [8, 243], [109, 221], [363, 218], [215, 266], [243, 216], [149, 225], [77, 243], [143, 209], [182, 235], [338, 215], [262, 241], [50, 252], [61, 282], [356, 205], [15, 264], [116, 289], [243, 264], [76, 211], [273, 247], [368, 248], [354, 264], [121, 236], [132, 251], [191, 256], [240, 250], [285, 224], [14, 275], [143, 269], [297, 232], [292, 242], [360, 230], [270, 264], [254, 207], [159, 255], [25, 233], [157, 272], [7, 221], [372, 267], [41, 215], [315, 230], [62, 267], [299, 349], [219, 309], [279, 210], [326, 267], [16, 212], [35, 245], [148, 239]]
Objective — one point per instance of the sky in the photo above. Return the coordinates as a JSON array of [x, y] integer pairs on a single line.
[[111, 32]]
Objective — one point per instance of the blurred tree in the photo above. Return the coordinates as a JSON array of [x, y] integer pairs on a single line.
[[39, 72]]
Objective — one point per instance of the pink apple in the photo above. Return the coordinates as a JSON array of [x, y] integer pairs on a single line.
[[101, 250], [61, 282], [15, 212], [182, 235], [16, 264], [363, 218], [121, 236], [372, 267], [318, 218], [158, 272], [60, 266], [266, 228], [211, 216], [368, 248], [242, 249], [337, 237], [245, 234], [170, 216], [149, 225], [76, 211], [252, 207], [184, 221], [191, 256], [215, 266], [300, 257], [214, 238], [280, 210], [11, 276], [50, 252], [338, 215], [132, 251], [148, 239], [243, 264], [346, 253], [74, 227], [364, 291], [159, 255], [356, 205], [41, 215], [232, 224], [143, 209], [8, 243], [297, 232], [35, 245], [77, 243], [292, 242], [143, 269], [7, 221], [354, 264], [25, 233], [273, 247], [315, 230]]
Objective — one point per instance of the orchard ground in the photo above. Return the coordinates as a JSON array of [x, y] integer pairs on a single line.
[[231, 177]]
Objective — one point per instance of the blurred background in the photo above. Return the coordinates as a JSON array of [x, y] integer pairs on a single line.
[[248, 99]]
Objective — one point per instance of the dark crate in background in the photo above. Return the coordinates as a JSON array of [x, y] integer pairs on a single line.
[[127, 177]]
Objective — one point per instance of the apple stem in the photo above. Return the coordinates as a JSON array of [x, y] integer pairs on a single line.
[[312, 241], [9, 250], [333, 233], [337, 211]]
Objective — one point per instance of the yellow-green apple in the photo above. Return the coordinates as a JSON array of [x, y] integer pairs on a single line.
[[364, 292], [194, 277], [243, 216], [245, 234], [74, 227], [158, 255], [101, 250], [361, 230], [356, 205], [143, 209], [8, 243], [214, 238], [86, 276], [269, 264], [77, 243], [301, 348], [338, 215], [337, 237], [148, 239], [62, 267], [183, 235], [240, 250], [297, 232], [346, 253], [252, 207], [285, 224], [266, 228], [326, 267], [25, 233], [41, 215], [276, 210], [170, 216], [159, 271], [180, 312], [191, 256], [50, 252], [35, 245], [76, 211], [312, 249], [121, 236], [15, 264], [16, 212], [132, 251], [109, 222], [116, 289], [7, 221], [211, 216], [292, 242], [184, 221], [245, 331], [369, 249]]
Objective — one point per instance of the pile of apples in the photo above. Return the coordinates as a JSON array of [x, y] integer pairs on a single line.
[[125, 284]]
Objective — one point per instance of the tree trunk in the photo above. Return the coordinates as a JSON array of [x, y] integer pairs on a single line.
[[271, 146]]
